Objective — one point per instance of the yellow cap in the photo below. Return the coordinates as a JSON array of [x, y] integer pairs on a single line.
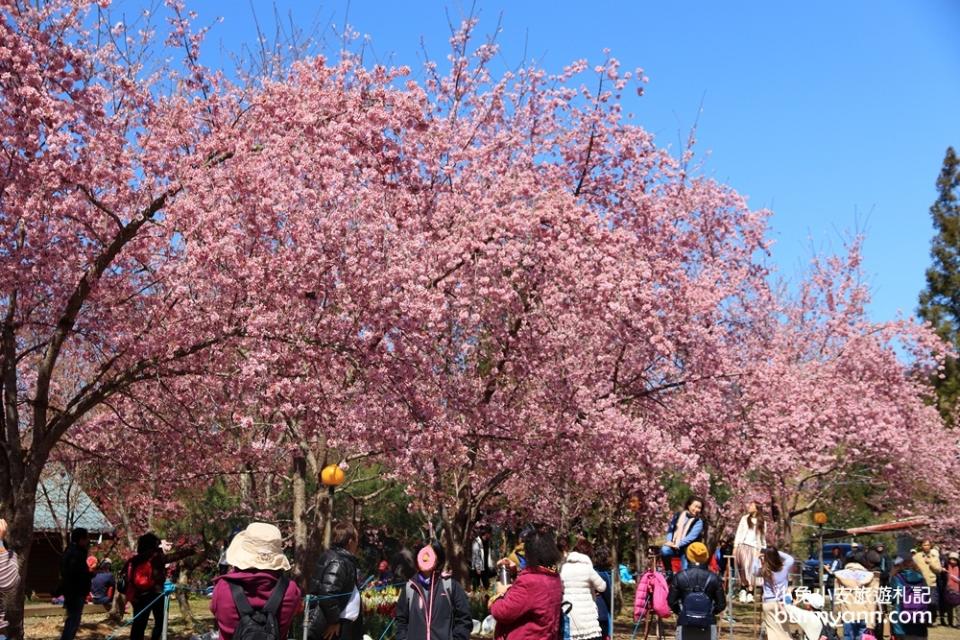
[[697, 552]]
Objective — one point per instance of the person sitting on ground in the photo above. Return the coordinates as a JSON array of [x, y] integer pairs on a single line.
[[696, 596], [530, 607], [433, 605], [103, 584], [257, 582]]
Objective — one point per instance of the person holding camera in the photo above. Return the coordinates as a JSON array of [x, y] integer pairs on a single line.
[[529, 608]]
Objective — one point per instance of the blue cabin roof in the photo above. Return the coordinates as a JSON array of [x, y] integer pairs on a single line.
[[63, 504]]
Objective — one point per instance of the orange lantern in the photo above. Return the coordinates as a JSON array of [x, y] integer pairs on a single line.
[[633, 503], [332, 475], [820, 518]]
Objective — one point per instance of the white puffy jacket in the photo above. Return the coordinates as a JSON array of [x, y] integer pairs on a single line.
[[580, 584]]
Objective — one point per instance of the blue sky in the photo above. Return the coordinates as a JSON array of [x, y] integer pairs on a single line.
[[836, 115]]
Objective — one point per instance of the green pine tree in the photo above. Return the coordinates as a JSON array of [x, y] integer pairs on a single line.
[[940, 301]]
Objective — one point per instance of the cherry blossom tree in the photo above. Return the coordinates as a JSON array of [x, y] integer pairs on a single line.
[[833, 398], [98, 292], [498, 287]]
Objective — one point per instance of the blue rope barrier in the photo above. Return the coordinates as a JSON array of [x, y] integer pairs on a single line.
[[387, 628], [168, 588]]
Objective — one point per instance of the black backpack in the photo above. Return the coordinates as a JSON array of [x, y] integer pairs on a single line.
[[696, 609], [259, 624]]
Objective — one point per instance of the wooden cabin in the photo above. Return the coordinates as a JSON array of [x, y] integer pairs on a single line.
[[62, 505]]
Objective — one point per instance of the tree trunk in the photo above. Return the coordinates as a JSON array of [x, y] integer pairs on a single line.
[[615, 576], [300, 564], [456, 531], [784, 522], [641, 554], [358, 514], [183, 581]]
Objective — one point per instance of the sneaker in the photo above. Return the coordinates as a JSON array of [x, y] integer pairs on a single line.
[[743, 595], [750, 598]]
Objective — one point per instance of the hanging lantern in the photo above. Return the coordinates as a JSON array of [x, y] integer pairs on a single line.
[[332, 475], [633, 503], [820, 518]]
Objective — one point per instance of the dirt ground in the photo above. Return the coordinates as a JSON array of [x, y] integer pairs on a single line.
[[97, 627]]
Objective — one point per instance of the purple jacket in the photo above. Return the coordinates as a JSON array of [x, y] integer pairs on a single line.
[[257, 585]]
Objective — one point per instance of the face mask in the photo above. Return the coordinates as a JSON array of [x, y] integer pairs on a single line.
[[426, 560]]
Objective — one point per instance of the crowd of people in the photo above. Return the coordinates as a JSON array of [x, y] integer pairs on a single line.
[[544, 588]]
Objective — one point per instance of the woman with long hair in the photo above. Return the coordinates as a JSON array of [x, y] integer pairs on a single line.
[[747, 544], [774, 567]]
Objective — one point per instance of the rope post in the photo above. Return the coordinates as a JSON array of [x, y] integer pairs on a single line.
[[168, 588], [614, 575], [306, 615], [730, 594]]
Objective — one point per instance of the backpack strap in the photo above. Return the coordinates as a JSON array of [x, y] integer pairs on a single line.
[[448, 587], [276, 596], [240, 600]]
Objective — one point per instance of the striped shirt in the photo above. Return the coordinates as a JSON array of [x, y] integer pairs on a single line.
[[9, 577]]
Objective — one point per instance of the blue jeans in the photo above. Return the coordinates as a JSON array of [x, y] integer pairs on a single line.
[[669, 552], [74, 607], [853, 630]]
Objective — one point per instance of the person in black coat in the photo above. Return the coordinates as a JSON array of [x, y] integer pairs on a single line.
[[696, 578], [75, 580], [431, 595], [339, 614]]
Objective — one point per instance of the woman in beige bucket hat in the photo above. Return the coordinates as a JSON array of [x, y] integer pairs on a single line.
[[258, 566]]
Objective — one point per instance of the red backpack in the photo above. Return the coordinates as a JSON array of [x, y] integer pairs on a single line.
[[140, 576]]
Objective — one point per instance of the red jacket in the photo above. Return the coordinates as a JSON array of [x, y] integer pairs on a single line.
[[257, 585], [530, 609]]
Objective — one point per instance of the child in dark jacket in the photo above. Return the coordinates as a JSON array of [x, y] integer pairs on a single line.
[[432, 605]]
